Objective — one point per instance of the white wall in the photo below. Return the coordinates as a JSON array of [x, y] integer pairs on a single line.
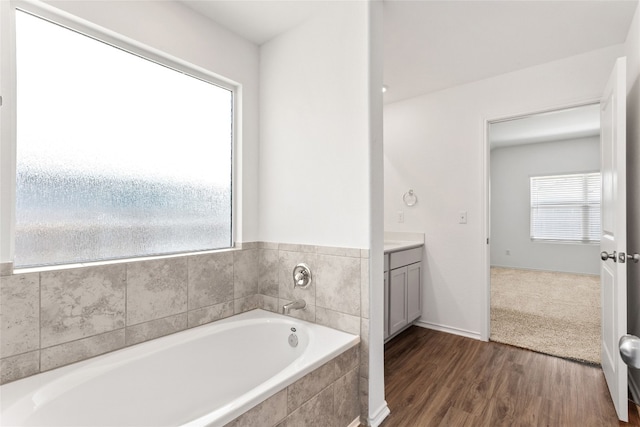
[[632, 50], [434, 144], [178, 31], [320, 139], [511, 168], [314, 177]]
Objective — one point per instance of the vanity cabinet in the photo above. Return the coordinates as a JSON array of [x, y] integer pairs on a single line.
[[386, 296], [403, 290]]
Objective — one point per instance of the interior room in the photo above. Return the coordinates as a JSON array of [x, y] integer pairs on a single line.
[[545, 222], [349, 223]]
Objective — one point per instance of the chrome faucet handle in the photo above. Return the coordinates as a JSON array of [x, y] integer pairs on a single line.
[[301, 276]]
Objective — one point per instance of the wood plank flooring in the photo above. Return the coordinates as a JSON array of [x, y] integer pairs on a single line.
[[438, 379]]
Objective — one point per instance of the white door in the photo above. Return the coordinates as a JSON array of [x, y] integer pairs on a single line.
[[613, 270]]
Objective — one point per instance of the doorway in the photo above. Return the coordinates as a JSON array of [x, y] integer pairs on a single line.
[[544, 228]]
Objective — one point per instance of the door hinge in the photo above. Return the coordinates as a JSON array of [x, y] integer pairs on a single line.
[[487, 240]]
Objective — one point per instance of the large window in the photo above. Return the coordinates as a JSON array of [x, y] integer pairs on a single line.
[[117, 156], [566, 208]]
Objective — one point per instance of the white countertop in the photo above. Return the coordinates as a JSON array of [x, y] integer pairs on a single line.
[[399, 241], [400, 245]]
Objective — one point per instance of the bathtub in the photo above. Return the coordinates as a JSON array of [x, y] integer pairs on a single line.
[[205, 376]]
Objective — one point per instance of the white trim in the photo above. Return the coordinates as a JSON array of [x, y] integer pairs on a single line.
[[450, 330], [485, 323], [379, 415], [485, 333], [8, 132], [105, 35], [355, 422], [633, 388]]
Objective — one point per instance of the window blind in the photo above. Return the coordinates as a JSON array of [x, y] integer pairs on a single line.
[[566, 208]]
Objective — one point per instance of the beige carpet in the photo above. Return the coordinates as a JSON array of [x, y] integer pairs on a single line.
[[552, 313]]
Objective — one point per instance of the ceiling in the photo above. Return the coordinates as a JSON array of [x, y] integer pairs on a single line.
[[256, 20], [571, 123], [432, 45]]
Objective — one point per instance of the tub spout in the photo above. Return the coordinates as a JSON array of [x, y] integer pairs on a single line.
[[295, 305]]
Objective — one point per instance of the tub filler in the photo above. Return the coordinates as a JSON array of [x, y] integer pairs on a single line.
[[205, 376]]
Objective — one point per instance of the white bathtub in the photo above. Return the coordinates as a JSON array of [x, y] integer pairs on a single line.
[[205, 376]]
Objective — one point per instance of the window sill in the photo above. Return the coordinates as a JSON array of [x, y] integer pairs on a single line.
[[44, 268]]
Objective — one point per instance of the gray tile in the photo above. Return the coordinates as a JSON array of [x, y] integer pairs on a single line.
[[248, 245], [268, 245], [20, 318], [287, 261], [19, 366], [247, 304], [338, 284], [268, 276], [156, 328], [81, 302], [347, 361], [294, 247], [363, 384], [337, 320], [348, 252], [210, 279], [6, 268], [364, 348], [310, 385], [210, 314], [270, 304], [346, 398], [75, 351], [317, 412], [156, 289], [245, 273], [308, 313], [364, 288], [266, 414]]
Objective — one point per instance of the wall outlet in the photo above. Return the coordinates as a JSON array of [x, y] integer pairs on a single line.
[[400, 216], [462, 217]]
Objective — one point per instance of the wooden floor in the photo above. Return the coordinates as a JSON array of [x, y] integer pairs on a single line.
[[438, 379]]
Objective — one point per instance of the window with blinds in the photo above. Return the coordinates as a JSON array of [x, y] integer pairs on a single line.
[[566, 208]]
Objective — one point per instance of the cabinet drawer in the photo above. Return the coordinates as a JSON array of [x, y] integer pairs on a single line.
[[402, 258]]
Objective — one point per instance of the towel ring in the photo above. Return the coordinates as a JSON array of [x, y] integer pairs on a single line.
[[410, 198]]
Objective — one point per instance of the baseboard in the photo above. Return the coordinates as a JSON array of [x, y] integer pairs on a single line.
[[633, 389], [449, 330], [355, 422], [382, 413]]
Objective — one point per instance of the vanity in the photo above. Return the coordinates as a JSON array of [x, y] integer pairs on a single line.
[[402, 281]]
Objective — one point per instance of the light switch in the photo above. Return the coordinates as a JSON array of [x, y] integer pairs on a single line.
[[462, 217], [400, 216]]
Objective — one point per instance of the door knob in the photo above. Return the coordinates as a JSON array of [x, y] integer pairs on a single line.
[[605, 256], [635, 257], [630, 350]]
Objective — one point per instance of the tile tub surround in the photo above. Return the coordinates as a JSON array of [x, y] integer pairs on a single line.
[[326, 397], [338, 296], [59, 316]]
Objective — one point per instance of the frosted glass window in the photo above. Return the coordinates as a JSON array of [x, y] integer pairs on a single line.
[[117, 156], [566, 208]]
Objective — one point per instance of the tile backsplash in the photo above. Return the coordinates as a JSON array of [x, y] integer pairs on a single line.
[[59, 316]]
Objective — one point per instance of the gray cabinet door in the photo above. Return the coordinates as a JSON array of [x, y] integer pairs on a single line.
[[386, 305], [397, 299], [414, 297]]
